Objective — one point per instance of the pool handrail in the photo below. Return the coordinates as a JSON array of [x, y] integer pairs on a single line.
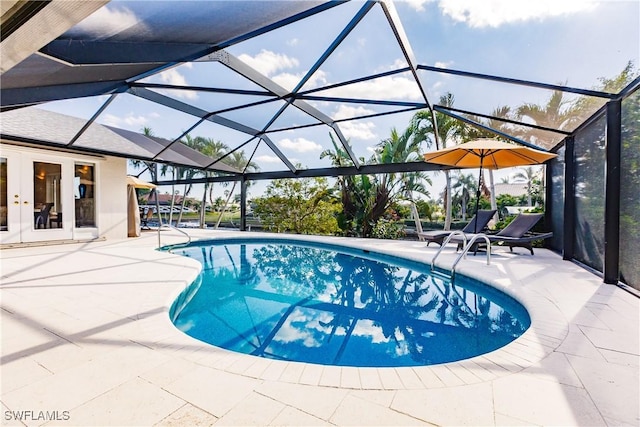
[[444, 244], [174, 228], [463, 254]]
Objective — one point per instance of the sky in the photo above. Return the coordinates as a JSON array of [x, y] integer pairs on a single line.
[[572, 42]]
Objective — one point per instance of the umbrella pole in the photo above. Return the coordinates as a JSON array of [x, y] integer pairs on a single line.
[[475, 224]]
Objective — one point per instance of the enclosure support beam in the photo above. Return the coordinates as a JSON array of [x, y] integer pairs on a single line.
[[569, 200], [243, 204], [612, 193]]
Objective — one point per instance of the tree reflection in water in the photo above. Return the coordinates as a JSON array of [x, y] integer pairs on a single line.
[[328, 306]]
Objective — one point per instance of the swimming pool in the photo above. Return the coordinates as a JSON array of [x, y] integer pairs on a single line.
[[333, 305]]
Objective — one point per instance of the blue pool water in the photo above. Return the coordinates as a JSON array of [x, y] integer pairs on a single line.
[[332, 305]]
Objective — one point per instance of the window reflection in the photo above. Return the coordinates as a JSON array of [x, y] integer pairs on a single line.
[[84, 192], [47, 198]]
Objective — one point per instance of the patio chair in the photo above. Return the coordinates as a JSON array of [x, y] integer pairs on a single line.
[[518, 233], [42, 217], [438, 236], [147, 214]]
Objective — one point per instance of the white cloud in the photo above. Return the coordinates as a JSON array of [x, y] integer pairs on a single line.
[[107, 21], [131, 121], [441, 64], [358, 130], [417, 5], [392, 87], [175, 78], [346, 112], [268, 62], [299, 145], [355, 129], [268, 159], [493, 13], [289, 81]]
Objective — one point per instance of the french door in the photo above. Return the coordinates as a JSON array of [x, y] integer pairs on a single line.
[[36, 197]]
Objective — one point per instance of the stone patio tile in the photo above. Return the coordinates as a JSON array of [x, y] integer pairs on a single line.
[[89, 380], [257, 369], [464, 405], [311, 374], [241, 364], [503, 420], [382, 398], [578, 344], [460, 371], [350, 378], [370, 379], [620, 358], [357, 412], [478, 371], [187, 415], [294, 417], [621, 340], [613, 388], [321, 402], [390, 379], [292, 372], [554, 367], [212, 390], [331, 376], [253, 410], [543, 402], [135, 402], [409, 379], [446, 375], [274, 370], [428, 377], [21, 372], [169, 371]]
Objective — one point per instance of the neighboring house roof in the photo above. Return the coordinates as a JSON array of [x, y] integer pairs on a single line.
[[516, 189]]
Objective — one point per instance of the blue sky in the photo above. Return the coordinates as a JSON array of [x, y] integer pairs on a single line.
[[573, 42]]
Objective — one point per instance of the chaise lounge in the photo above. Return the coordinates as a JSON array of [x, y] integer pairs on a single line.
[[438, 236], [517, 234]]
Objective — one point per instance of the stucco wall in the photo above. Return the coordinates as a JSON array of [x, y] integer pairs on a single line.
[[112, 198]]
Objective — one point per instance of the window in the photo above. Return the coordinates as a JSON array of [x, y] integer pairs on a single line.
[[84, 193]]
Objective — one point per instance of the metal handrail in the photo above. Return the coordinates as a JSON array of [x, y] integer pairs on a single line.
[[174, 228], [442, 246], [469, 246]]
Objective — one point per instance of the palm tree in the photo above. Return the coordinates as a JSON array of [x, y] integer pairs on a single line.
[[450, 131], [153, 171], [237, 160], [467, 185], [471, 132], [213, 149], [529, 175], [558, 113], [367, 198]]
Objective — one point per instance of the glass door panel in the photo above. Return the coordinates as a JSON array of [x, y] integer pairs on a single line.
[[84, 193], [47, 199]]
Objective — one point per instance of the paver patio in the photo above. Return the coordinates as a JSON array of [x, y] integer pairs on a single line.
[[86, 333]]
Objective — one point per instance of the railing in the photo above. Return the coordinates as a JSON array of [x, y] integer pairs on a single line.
[[174, 228], [444, 244], [463, 254]]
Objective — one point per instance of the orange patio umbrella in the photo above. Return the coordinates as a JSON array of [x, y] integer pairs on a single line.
[[489, 154]]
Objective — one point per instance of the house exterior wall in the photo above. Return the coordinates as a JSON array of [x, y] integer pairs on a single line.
[[112, 199]]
